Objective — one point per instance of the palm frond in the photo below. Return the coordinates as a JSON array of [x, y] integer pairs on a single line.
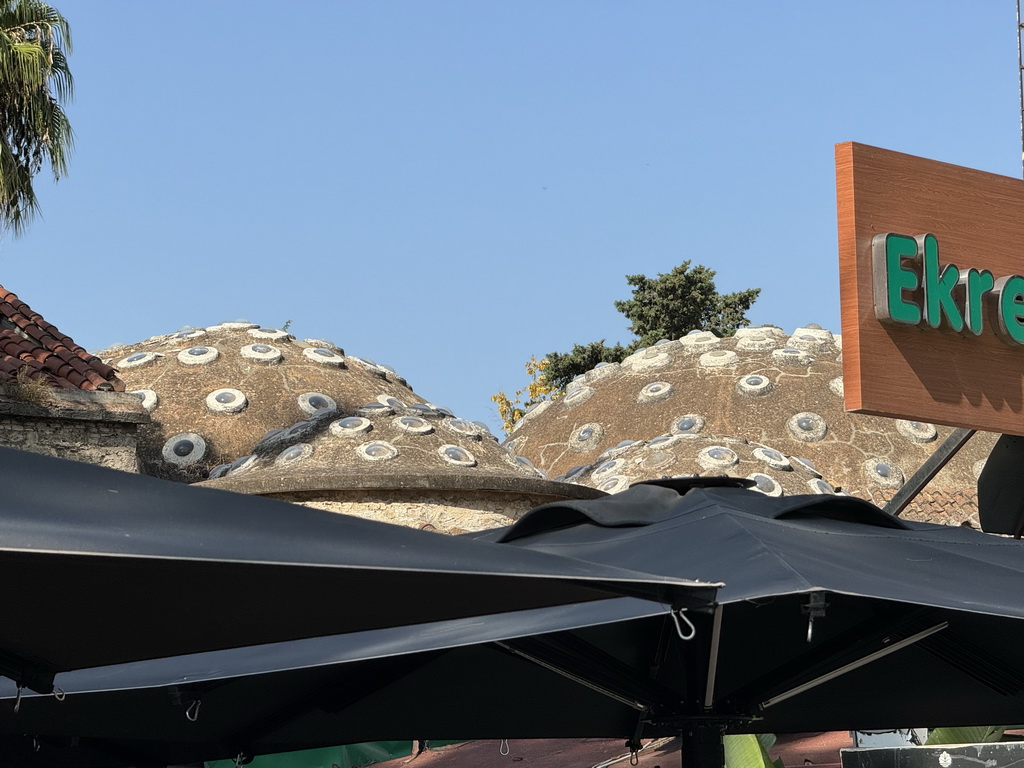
[[35, 82]]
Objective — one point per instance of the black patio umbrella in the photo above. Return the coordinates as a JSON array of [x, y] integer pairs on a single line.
[[834, 615], [306, 693], [100, 567]]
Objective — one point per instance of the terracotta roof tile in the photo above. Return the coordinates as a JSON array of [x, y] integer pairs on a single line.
[[78, 380], [8, 368], [65, 354], [33, 348], [104, 371], [946, 506], [75, 362], [12, 345]]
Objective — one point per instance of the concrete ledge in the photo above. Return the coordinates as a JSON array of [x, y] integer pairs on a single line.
[[266, 482], [78, 404]]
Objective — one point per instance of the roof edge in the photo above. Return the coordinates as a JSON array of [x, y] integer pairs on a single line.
[[270, 482]]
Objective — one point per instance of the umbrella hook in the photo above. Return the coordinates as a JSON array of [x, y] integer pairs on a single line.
[[503, 749], [815, 609], [35, 744], [59, 695], [17, 698], [192, 713], [634, 745], [681, 614]]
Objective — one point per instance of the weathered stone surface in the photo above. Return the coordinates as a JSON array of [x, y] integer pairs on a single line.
[[451, 512], [779, 390], [94, 427]]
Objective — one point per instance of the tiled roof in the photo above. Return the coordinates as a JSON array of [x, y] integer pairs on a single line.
[[34, 349], [946, 506]]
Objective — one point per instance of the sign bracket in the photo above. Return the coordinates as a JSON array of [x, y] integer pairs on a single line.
[[910, 490]]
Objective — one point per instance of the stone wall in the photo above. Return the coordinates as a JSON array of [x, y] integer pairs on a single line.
[[446, 503], [94, 427], [444, 511]]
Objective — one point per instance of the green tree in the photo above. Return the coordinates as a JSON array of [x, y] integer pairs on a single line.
[[34, 83], [563, 367], [665, 307], [682, 300]]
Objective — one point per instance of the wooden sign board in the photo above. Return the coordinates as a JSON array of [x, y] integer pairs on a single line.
[[930, 263]]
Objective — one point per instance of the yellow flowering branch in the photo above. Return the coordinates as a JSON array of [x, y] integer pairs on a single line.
[[512, 409]]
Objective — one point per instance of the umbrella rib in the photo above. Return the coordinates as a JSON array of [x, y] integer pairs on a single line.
[[965, 656], [561, 671], [863, 661], [716, 636]]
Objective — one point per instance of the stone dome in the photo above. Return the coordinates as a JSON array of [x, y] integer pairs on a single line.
[[773, 473], [783, 391], [252, 409], [214, 392], [409, 464]]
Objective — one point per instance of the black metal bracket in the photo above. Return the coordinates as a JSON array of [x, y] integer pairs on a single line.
[[949, 448], [1000, 491], [702, 745], [27, 673]]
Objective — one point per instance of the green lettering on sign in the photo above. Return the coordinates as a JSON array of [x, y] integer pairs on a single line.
[[893, 279], [911, 287], [939, 284], [1010, 292], [977, 282]]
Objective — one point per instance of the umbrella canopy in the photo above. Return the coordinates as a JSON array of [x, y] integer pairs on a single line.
[[311, 693], [100, 567], [834, 615]]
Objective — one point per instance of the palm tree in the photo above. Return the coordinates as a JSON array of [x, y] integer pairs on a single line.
[[34, 82]]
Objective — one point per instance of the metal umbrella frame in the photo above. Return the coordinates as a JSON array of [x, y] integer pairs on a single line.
[[100, 567], [828, 601]]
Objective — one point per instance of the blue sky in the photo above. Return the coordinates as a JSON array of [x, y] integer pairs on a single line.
[[450, 186]]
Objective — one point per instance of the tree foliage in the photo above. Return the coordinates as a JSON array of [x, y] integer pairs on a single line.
[[34, 83], [512, 409], [748, 750], [563, 368], [682, 300], [967, 734], [665, 307]]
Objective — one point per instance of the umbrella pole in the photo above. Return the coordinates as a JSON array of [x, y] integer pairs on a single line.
[[702, 747]]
